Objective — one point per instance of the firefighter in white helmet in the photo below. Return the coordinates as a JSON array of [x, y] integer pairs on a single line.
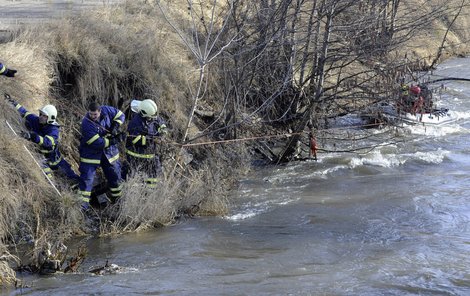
[[144, 134], [45, 131]]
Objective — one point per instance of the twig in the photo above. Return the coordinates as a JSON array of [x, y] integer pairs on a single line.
[[444, 39]]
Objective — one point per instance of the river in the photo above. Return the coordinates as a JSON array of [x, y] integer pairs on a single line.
[[393, 221]]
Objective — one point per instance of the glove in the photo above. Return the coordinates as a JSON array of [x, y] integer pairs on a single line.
[[115, 128], [10, 100], [9, 73], [115, 139], [26, 135], [30, 136]]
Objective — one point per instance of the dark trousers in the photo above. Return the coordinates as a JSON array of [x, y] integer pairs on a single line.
[[112, 172], [151, 167]]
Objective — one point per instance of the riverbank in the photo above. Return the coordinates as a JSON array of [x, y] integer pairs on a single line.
[[375, 223], [102, 54]]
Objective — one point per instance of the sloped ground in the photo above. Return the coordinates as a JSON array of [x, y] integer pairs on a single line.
[[101, 53]]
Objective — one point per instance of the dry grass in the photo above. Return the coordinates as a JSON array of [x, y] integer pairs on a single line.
[[182, 192], [102, 54], [31, 212], [424, 44]]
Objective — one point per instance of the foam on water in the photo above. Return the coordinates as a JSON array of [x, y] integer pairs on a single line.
[[435, 130], [272, 194], [263, 205], [463, 114], [434, 157], [243, 215], [386, 157], [376, 158], [327, 171], [379, 159]]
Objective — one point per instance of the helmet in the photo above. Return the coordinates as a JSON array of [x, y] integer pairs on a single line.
[[148, 109], [51, 113], [415, 89]]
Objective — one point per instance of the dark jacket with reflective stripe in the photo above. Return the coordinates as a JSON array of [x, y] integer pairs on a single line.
[[143, 136], [3, 68], [94, 141], [45, 135]]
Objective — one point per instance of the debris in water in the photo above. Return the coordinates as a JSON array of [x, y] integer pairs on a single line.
[[106, 269]]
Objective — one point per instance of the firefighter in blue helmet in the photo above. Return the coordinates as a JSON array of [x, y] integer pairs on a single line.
[[144, 133], [44, 131], [98, 147], [8, 72]]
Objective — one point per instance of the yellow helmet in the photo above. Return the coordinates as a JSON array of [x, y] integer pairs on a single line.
[[148, 108], [51, 113]]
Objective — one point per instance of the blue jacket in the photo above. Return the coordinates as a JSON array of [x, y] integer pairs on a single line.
[[143, 136], [3, 68], [94, 141], [45, 135]]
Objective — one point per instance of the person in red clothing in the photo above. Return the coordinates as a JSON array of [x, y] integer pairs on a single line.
[[411, 100]]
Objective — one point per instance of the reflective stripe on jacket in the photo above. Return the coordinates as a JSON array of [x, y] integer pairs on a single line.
[[94, 142], [143, 136], [45, 135], [2, 68]]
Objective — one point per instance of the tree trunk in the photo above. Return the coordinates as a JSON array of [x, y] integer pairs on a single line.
[[290, 149]]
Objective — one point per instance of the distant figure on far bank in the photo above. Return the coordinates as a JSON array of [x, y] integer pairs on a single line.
[[144, 134], [415, 99], [8, 72]]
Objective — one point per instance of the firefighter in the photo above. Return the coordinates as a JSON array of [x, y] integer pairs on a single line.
[[98, 147], [404, 98], [8, 72], [409, 98], [144, 133], [426, 93], [45, 131]]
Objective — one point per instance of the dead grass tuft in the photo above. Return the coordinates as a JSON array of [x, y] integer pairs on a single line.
[[143, 207]]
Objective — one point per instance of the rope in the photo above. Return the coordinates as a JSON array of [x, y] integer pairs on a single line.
[[269, 136], [447, 78]]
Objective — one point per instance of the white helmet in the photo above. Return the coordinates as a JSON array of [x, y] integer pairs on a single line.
[[148, 109], [51, 113]]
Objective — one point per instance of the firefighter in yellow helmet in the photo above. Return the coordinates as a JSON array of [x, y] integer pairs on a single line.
[[144, 134]]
